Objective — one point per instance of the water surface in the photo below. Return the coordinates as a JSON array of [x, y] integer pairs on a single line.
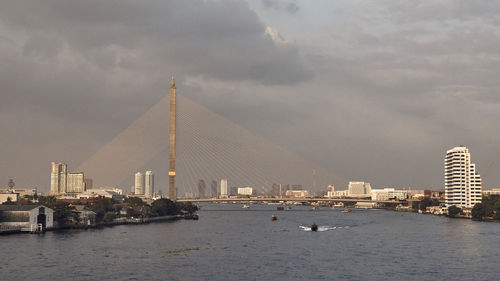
[[231, 243]]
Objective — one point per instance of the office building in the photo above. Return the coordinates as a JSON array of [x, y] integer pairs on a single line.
[[462, 183], [359, 189], [149, 184], [139, 184]]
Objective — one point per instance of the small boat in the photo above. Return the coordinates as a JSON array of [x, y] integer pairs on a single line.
[[280, 208], [315, 208], [245, 206], [273, 218], [314, 227], [347, 210]]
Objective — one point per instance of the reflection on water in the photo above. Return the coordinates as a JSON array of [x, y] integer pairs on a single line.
[[231, 243]]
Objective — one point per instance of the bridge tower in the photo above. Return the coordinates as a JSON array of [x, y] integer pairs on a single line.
[[171, 148]]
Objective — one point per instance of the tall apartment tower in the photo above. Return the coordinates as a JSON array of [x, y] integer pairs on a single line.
[[201, 189], [58, 178], [213, 187], [171, 147], [75, 183], [139, 183], [462, 182], [149, 184], [223, 187]]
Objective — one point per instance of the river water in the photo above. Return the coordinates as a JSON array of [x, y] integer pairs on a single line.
[[231, 243]]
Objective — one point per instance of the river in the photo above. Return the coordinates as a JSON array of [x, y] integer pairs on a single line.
[[231, 243]]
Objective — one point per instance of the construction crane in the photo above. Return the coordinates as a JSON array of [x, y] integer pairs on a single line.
[[492, 163]]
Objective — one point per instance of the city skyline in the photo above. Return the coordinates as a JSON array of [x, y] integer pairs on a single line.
[[369, 92]]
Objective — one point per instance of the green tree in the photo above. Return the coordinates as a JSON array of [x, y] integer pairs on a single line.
[[187, 207], [164, 207], [478, 212], [109, 217], [453, 211]]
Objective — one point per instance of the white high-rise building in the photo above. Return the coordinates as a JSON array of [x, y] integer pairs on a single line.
[[223, 187], [139, 184], [149, 185], [359, 189], [462, 183], [58, 178]]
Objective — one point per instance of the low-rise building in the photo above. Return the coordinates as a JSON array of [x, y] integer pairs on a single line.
[[388, 194], [5, 196], [494, 191], [247, 191], [26, 216], [297, 193]]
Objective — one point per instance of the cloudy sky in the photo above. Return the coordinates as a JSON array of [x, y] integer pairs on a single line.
[[371, 90]]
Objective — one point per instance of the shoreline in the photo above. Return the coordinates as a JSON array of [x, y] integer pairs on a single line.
[[100, 225]]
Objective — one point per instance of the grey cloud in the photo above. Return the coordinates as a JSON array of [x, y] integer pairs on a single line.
[[288, 6]]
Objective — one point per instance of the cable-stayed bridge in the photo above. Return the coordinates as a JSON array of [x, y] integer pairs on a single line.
[[209, 147]]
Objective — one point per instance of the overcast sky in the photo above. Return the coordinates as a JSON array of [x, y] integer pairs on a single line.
[[371, 90]]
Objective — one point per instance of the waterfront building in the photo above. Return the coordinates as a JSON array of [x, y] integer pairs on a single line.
[[25, 216], [462, 182], [248, 191], [139, 184], [223, 188], [233, 191], [149, 184], [388, 194], [494, 191], [359, 189], [297, 193], [75, 183], [58, 178]]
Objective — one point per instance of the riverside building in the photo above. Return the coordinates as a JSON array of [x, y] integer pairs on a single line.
[[139, 184], [462, 182], [149, 185], [359, 189]]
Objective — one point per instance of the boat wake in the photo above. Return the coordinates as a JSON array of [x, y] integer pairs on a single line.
[[323, 227]]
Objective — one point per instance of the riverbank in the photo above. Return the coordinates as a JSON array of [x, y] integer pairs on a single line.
[[119, 221]]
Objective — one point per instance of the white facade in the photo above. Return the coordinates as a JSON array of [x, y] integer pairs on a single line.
[[337, 193], [149, 185], [297, 193], [359, 189], [245, 191], [139, 184], [223, 187], [462, 183], [75, 183], [58, 178], [388, 194]]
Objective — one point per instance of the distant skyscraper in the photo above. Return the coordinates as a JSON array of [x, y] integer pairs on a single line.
[[214, 189], [149, 184], [359, 189], [58, 178], [89, 183], [201, 189], [75, 183], [462, 183], [139, 183], [223, 187]]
